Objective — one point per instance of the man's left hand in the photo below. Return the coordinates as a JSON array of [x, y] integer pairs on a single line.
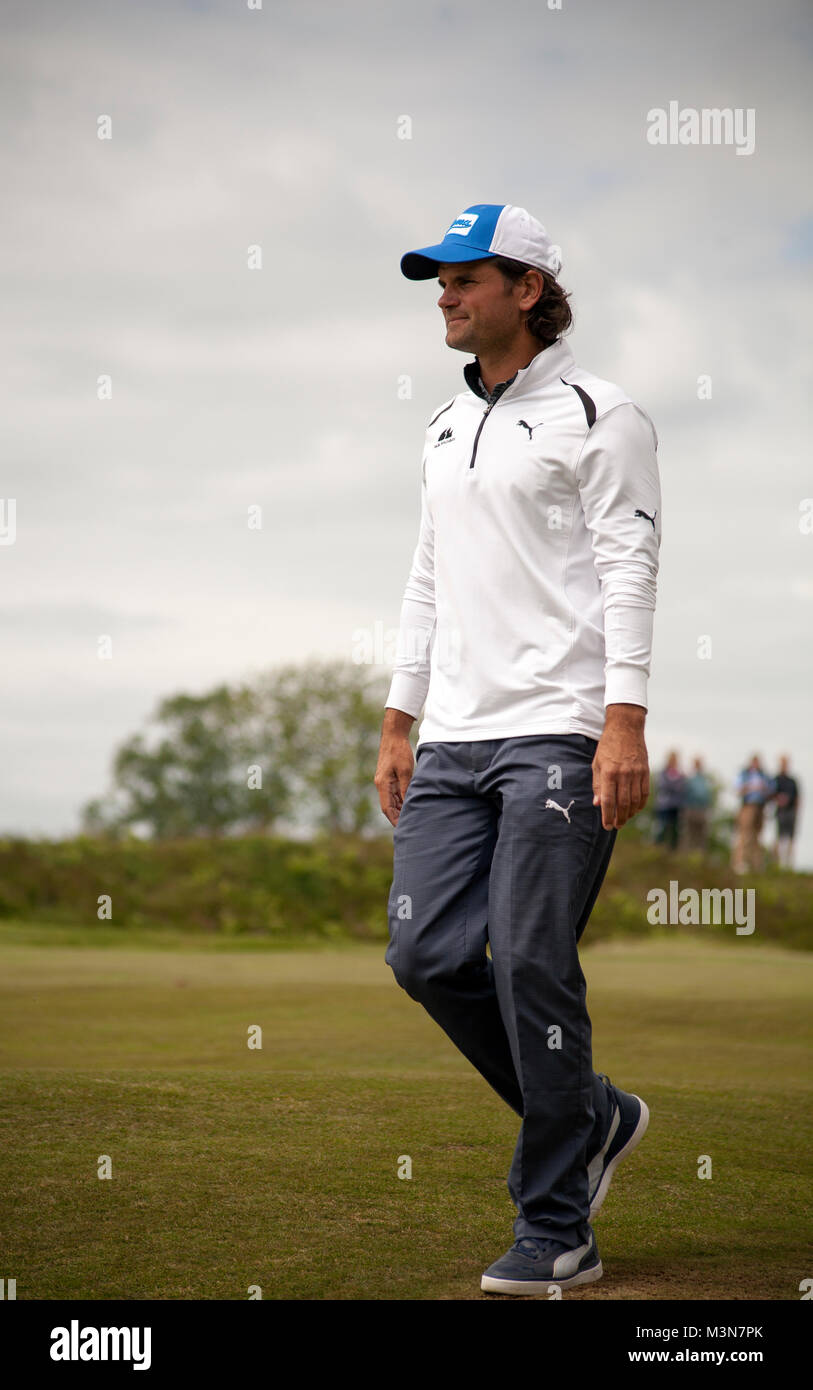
[[621, 766]]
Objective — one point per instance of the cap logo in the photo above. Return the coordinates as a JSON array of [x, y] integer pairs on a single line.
[[463, 224]]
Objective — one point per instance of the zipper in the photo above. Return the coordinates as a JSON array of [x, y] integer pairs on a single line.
[[486, 414]]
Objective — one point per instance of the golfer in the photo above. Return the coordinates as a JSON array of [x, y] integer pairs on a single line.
[[525, 637]]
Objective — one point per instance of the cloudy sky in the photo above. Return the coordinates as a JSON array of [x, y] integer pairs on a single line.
[[279, 127]]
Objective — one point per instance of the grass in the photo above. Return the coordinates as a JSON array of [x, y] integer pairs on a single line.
[[234, 1167], [267, 889]]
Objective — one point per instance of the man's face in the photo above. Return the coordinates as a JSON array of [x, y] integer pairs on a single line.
[[480, 307]]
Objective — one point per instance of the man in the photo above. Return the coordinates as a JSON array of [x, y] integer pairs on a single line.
[[699, 798], [785, 794], [526, 627], [669, 803], [754, 790]]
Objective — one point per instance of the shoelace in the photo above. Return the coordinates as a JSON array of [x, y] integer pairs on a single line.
[[536, 1247]]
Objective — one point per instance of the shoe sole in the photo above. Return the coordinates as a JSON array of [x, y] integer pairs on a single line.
[[539, 1286], [632, 1143]]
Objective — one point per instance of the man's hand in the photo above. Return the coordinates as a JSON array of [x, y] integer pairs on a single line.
[[621, 766], [396, 763]]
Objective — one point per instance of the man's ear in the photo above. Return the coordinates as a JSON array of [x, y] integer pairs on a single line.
[[533, 284]]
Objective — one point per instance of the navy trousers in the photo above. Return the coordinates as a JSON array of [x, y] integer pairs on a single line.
[[498, 843]]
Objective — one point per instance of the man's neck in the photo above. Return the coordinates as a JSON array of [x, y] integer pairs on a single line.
[[504, 363]]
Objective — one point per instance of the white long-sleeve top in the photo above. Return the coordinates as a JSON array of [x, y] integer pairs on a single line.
[[530, 600]]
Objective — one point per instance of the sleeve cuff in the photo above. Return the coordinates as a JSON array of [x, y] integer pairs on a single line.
[[407, 693], [625, 686]]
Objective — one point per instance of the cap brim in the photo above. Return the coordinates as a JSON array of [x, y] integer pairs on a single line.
[[423, 264]]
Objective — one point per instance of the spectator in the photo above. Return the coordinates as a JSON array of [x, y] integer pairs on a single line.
[[785, 795], [669, 799], [753, 789], [699, 796]]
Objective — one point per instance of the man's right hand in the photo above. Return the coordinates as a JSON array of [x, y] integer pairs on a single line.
[[396, 763]]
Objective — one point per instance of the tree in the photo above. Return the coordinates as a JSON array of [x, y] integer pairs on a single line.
[[324, 720], [310, 734], [193, 778]]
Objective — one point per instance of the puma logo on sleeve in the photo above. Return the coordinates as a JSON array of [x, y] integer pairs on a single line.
[[639, 512]]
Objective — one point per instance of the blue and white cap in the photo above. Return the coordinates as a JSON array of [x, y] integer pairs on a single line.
[[483, 230]]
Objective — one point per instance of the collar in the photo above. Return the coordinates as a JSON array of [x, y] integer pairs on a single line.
[[545, 367], [479, 386]]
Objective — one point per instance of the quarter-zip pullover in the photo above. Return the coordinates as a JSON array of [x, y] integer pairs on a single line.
[[530, 599]]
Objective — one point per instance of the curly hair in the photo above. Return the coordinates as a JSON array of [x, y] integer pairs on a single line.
[[550, 315]]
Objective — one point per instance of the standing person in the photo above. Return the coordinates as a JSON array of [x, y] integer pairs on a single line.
[[785, 794], [669, 801], [753, 789], [526, 627], [698, 798]]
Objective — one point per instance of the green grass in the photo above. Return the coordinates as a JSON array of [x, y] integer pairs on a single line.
[[267, 889], [278, 1167]]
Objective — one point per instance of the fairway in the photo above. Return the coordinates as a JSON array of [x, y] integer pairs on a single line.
[[234, 1167]]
